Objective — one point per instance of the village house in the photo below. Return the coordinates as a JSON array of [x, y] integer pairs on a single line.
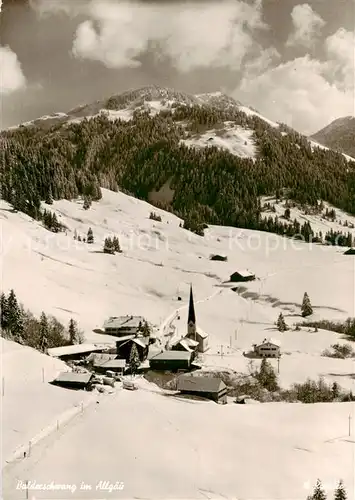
[[205, 387], [123, 349], [120, 326], [269, 348], [171, 360], [192, 332], [113, 365], [74, 352], [242, 276], [74, 380], [188, 345]]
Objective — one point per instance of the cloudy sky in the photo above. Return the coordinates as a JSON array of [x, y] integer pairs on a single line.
[[292, 61]]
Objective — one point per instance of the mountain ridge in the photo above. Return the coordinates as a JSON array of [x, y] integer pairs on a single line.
[[338, 135]]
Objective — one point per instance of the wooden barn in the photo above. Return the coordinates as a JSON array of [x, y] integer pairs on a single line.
[[171, 360], [113, 365], [205, 387], [124, 348], [72, 352], [74, 380], [242, 276]]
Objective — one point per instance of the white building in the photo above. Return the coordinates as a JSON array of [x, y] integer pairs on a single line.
[[120, 326], [269, 348]]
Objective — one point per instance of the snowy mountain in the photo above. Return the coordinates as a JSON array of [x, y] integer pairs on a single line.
[[158, 263], [338, 135], [154, 99]]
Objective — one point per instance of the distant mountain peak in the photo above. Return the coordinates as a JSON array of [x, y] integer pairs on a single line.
[[338, 135]]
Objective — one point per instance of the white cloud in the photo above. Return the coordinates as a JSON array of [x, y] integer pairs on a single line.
[[11, 77], [297, 93], [340, 49], [191, 35], [307, 24], [257, 65]]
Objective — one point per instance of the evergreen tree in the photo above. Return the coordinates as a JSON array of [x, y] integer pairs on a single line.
[[108, 246], [87, 203], [116, 244], [287, 214], [335, 390], [340, 493], [318, 492], [75, 335], [281, 324], [90, 236], [49, 197], [44, 331], [4, 312], [15, 317], [267, 376], [134, 360], [306, 307]]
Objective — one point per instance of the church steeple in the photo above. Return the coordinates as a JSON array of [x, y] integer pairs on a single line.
[[191, 319]]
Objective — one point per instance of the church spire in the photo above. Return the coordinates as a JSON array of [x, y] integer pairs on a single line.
[[191, 320]]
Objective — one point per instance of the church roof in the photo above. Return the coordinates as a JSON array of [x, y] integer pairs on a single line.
[[191, 317]]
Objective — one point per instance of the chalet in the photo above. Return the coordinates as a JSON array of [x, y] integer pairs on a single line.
[[188, 345], [120, 326], [78, 351], [171, 360], [192, 332], [218, 257], [97, 359], [241, 276], [269, 348], [351, 251], [205, 387], [123, 349], [74, 380], [113, 365]]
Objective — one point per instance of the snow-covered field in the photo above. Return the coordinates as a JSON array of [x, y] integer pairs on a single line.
[[161, 447], [236, 140], [145, 439], [318, 222]]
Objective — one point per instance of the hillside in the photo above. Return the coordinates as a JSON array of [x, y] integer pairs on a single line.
[[152, 143], [338, 135], [158, 263]]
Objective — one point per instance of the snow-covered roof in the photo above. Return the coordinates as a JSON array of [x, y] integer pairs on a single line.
[[73, 349], [114, 363], [199, 333], [172, 355], [99, 359], [190, 342], [270, 341], [244, 272], [123, 322], [141, 342], [74, 377], [199, 384]]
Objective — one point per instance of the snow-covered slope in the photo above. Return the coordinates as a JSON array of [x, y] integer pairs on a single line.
[[343, 222], [165, 448], [30, 405], [67, 278]]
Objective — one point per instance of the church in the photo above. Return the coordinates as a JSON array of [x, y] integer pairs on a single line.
[[192, 332]]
